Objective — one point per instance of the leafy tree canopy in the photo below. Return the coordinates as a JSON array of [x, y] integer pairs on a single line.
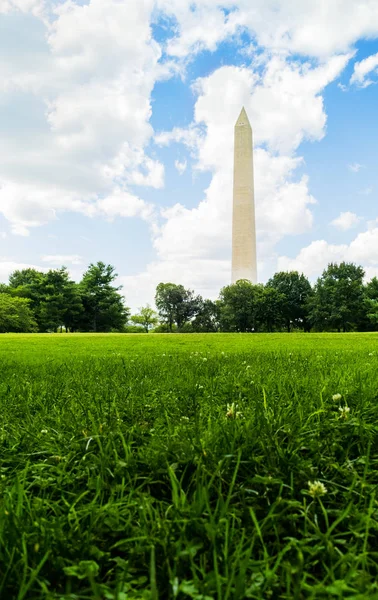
[[16, 315], [176, 304], [104, 307], [338, 301], [296, 290], [147, 318], [239, 306]]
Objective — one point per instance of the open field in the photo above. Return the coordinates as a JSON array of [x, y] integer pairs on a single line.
[[127, 473]]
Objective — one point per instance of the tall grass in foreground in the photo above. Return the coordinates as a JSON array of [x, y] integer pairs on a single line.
[[202, 474]]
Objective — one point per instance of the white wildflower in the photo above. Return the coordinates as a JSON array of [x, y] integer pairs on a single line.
[[233, 412], [344, 412], [316, 489], [44, 431], [336, 397]]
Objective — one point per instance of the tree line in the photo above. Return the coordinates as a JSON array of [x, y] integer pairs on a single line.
[[34, 301]]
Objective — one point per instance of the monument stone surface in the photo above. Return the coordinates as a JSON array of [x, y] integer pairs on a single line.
[[243, 218]]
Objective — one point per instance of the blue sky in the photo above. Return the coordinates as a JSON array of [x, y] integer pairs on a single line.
[[116, 136]]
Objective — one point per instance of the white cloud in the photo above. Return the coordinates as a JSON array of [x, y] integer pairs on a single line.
[[25, 206], [89, 86], [355, 167], [364, 68], [178, 135], [313, 259], [62, 259], [26, 6], [30, 205], [346, 220], [123, 204], [181, 166], [310, 28], [153, 177]]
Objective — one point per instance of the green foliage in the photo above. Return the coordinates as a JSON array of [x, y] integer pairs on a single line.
[[132, 329], [371, 289], [208, 317], [338, 301], [104, 308], [147, 318], [25, 278], [176, 467], [27, 283], [270, 309], [371, 303], [61, 304], [164, 328], [16, 315], [57, 301], [176, 304], [296, 291], [239, 306]]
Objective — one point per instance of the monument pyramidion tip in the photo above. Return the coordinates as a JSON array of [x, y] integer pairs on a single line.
[[242, 119]]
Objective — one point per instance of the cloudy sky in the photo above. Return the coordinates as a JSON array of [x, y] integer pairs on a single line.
[[116, 135]]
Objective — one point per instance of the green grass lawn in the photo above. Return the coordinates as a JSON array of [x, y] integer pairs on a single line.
[[162, 467]]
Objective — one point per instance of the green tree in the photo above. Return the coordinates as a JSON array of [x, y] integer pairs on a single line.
[[104, 308], [28, 283], [239, 306], [371, 303], [147, 318], [296, 290], [176, 304], [16, 315], [338, 301], [270, 309], [25, 277], [207, 319], [371, 289], [61, 303]]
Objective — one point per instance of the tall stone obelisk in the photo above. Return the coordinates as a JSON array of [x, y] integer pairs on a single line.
[[243, 218]]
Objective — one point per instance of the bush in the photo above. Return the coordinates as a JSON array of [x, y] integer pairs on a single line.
[[16, 315], [164, 328], [133, 329]]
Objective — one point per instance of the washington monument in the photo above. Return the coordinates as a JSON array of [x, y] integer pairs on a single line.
[[243, 217]]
